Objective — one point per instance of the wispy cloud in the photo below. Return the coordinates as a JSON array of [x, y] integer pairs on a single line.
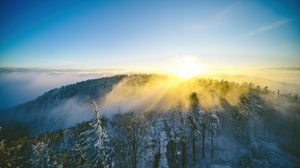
[[268, 27], [220, 15], [228, 9]]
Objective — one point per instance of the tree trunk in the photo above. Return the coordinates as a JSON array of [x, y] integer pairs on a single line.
[[171, 154], [176, 159], [212, 144], [203, 141], [183, 155], [193, 146], [294, 130], [156, 160]]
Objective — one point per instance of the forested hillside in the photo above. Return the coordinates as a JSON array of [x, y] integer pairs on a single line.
[[155, 121], [58, 108]]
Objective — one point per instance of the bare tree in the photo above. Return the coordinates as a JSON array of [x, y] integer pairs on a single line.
[[129, 132]]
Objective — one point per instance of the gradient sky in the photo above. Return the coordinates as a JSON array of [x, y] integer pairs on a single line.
[[114, 34]]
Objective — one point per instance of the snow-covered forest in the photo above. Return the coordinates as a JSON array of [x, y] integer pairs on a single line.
[[142, 121]]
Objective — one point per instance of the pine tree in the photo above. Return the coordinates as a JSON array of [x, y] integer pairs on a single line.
[[194, 120], [213, 126], [94, 144], [197, 120]]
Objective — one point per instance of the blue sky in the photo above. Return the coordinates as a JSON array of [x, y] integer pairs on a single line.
[[117, 34]]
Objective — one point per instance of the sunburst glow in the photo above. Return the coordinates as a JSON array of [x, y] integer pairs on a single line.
[[188, 69]]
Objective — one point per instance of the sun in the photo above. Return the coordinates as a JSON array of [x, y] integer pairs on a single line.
[[187, 69]]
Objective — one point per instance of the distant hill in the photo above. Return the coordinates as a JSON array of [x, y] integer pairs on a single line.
[[59, 108]]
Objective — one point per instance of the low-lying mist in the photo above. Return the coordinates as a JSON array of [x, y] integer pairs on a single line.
[[162, 93]]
